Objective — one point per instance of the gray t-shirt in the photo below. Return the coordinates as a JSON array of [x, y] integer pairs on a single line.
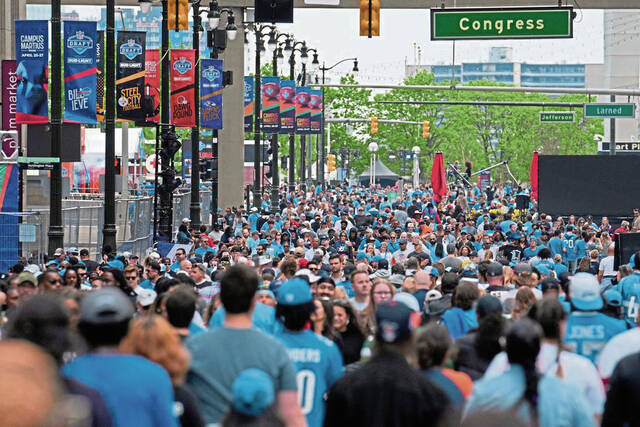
[[220, 354]]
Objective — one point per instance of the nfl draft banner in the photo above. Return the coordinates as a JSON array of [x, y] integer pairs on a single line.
[[182, 84], [152, 80], [248, 103], [100, 76], [32, 55], [80, 79], [303, 111], [270, 104], [211, 93], [287, 106], [315, 103], [130, 75]]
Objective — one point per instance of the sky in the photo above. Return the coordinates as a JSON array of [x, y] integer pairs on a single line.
[[335, 34]]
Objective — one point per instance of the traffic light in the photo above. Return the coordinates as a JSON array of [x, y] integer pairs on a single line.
[[426, 129], [374, 125], [170, 145], [284, 162], [205, 170], [178, 13], [169, 181], [369, 18], [331, 162]]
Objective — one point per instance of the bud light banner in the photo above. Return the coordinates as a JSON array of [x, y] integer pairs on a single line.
[[248, 103], [287, 106], [315, 102], [270, 104], [211, 93], [32, 55], [152, 80], [100, 76], [80, 80], [303, 111], [183, 68], [130, 75]]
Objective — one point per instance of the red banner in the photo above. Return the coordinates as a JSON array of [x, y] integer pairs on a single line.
[[533, 176], [152, 80], [183, 107], [438, 178]]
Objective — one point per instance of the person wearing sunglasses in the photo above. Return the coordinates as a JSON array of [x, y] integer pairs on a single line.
[[49, 281]]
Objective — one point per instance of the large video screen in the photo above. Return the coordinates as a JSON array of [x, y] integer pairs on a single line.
[[589, 185]]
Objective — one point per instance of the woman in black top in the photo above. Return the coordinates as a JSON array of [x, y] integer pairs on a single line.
[[346, 322]]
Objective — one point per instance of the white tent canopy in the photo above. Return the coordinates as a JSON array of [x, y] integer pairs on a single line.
[[94, 141]]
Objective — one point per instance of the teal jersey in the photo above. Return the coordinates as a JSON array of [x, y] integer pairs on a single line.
[[589, 331], [555, 245], [318, 365], [581, 248], [569, 247], [629, 288]]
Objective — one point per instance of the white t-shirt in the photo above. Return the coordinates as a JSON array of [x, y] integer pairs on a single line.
[[576, 370], [359, 306], [618, 347], [606, 266]]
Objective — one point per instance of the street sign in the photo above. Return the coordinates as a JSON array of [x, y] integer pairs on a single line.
[[557, 116], [501, 23], [610, 110], [38, 163], [621, 147]]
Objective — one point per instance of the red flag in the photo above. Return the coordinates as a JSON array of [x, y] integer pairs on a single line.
[[438, 178], [152, 79], [183, 66], [533, 176]]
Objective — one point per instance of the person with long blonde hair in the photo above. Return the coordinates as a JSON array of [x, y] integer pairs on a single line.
[[153, 338]]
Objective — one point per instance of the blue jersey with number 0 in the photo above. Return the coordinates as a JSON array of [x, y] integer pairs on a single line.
[[588, 332], [318, 365]]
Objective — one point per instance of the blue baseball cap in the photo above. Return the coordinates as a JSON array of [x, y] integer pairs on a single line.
[[294, 292], [361, 255], [395, 321], [614, 298], [117, 264], [584, 291], [252, 392]]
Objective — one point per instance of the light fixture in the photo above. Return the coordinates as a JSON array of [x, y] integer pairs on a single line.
[[304, 57], [145, 5], [261, 45], [279, 57], [232, 30], [272, 44], [246, 36], [355, 66], [287, 45], [213, 15], [315, 61]]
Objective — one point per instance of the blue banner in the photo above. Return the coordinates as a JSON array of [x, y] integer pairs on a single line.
[[211, 93], [32, 56], [9, 198], [248, 103], [80, 71], [287, 106]]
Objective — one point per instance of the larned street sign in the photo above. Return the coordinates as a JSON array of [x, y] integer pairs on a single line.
[[610, 110], [502, 23], [557, 116]]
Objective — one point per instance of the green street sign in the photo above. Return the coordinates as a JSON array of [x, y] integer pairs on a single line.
[[38, 159], [610, 110], [557, 116], [502, 23]]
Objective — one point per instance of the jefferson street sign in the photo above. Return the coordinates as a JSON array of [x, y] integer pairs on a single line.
[[501, 23], [557, 116], [610, 110]]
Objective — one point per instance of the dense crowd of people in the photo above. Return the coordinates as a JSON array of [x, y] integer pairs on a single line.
[[346, 306]]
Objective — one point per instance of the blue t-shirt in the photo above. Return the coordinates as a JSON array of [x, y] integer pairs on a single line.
[[589, 331], [581, 248], [530, 253], [629, 288], [560, 268], [569, 247], [555, 245], [146, 284], [137, 392], [318, 365], [263, 318]]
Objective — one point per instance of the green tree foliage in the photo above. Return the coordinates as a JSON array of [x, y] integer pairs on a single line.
[[484, 135]]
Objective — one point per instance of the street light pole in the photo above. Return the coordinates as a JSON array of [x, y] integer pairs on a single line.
[[292, 135], [194, 207], [275, 172], [55, 233], [109, 228], [323, 146]]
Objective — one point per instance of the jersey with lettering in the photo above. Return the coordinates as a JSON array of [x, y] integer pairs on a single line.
[[318, 365], [629, 288], [589, 331], [569, 247]]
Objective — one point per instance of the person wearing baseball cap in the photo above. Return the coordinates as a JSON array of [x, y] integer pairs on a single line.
[[386, 387], [253, 399], [588, 330], [104, 322], [312, 355]]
